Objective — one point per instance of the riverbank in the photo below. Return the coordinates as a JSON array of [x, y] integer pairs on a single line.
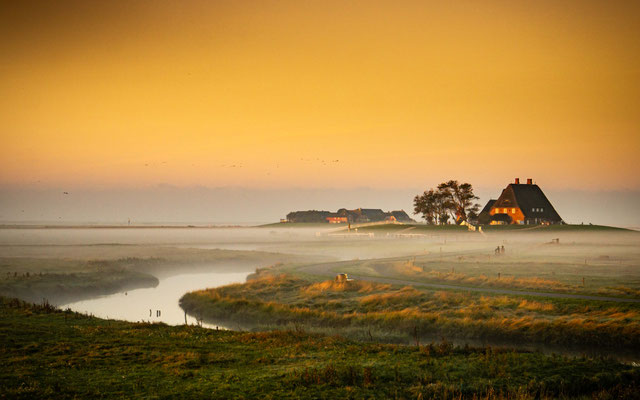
[[68, 273], [89, 358]]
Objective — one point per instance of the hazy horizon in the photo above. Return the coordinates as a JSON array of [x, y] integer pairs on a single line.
[[237, 205]]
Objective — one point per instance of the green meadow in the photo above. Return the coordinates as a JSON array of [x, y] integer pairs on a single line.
[[49, 353]]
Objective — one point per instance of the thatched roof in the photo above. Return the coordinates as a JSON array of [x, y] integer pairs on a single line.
[[531, 201]]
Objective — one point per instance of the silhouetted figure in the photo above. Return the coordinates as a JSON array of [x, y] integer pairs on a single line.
[[502, 250]]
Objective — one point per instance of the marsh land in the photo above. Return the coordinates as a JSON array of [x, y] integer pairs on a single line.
[[415, 289]]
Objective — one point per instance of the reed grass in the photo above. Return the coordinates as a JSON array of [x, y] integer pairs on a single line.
[[284, 299]]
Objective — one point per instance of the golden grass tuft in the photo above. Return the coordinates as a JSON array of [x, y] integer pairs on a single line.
[[350, 286], [535, 306], [400, 296], [449, 298], [407, 268]]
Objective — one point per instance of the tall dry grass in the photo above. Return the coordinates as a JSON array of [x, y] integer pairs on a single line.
[[287, 300], [350, 286]]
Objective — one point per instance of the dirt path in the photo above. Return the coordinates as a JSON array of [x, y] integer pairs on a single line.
[[329, 270]]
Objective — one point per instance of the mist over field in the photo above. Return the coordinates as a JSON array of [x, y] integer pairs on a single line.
[[438, 293], [236, 205], [215, 199]]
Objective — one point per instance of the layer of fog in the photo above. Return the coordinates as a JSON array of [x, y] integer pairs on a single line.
[[618, 253], [64, 242]]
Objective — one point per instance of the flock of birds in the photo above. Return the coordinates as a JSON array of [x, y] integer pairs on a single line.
[[277, 165]]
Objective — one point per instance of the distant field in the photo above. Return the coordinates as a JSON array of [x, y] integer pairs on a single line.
[[584, 273], [47, 353], [585, 263], [420, 227], [557, 228], [300, 225]]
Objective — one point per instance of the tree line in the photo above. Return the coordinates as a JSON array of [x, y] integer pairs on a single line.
[[449, 201]]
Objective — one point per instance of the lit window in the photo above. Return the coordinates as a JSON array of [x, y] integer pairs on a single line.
[[533, 210], [513, 211], [542, 209], [504, 210]]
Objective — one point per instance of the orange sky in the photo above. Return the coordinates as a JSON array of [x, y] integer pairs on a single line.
[[259, 94]]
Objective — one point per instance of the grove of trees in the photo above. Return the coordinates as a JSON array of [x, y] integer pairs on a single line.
[[449, 201]]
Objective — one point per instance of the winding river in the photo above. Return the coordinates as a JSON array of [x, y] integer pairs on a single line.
[[158, 304]]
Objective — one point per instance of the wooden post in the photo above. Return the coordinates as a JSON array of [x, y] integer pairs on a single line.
[[583, 281]]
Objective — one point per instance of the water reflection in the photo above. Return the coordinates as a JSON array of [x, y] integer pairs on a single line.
[[159, 304]]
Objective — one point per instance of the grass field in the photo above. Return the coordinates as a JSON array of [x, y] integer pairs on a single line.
[[47, 353], [594, 264], [600, 277], [367, 310], [62, 354]]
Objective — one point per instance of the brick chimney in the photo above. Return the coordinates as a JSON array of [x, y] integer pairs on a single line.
[[529, 181], [517, 181]]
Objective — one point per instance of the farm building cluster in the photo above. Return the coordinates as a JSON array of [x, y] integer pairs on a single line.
[[521, 204], [343, 216]]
